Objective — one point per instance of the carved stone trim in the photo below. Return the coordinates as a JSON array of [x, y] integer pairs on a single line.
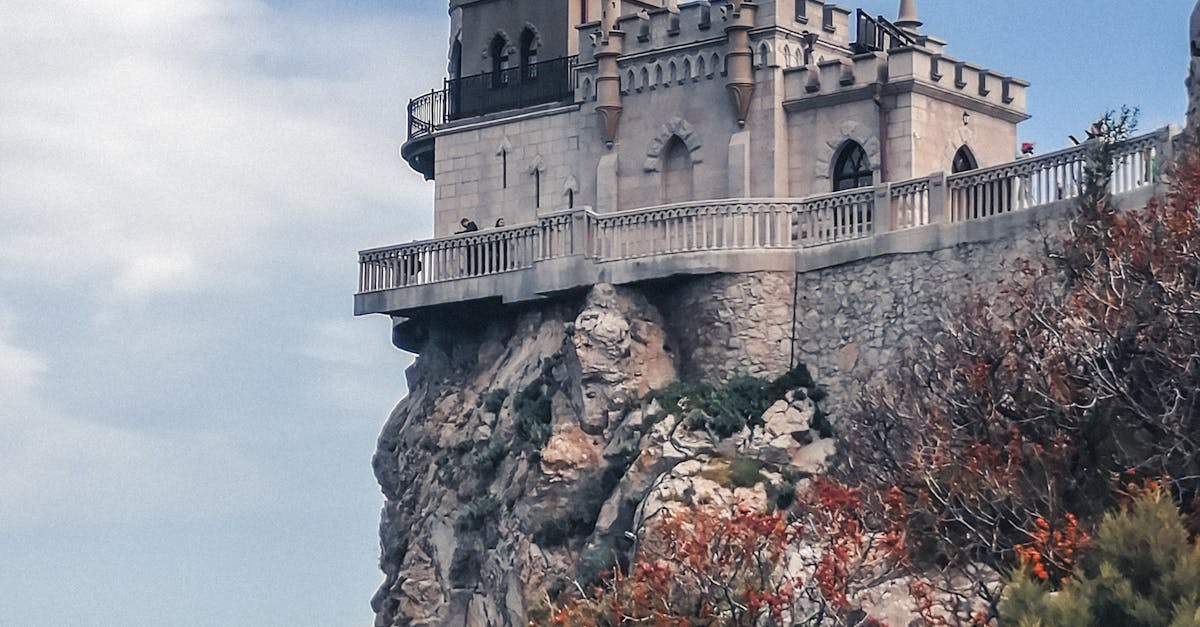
[[676, 127], [848, 131], [741, 93], [610, 121]]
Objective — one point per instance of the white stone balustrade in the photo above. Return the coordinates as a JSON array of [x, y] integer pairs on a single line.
[[686, 230]]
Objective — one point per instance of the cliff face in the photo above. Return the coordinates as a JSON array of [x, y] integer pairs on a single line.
[[525, 452]]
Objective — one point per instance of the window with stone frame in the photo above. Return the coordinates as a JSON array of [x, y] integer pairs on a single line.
[[677, 181], [964, 160], [852, 169], [499, 54], [529, 53]]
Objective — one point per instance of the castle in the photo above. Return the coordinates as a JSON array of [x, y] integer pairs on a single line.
[[688, 191], [620, 141]]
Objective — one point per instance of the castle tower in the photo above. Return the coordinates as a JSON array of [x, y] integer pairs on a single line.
[[693, 191], [610, 106], [907, 19]]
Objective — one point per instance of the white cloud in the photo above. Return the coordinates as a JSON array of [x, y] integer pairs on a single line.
[[56, 465], [149, 273], [208, 126]]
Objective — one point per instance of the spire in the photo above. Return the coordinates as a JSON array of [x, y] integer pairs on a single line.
[[908, 16]]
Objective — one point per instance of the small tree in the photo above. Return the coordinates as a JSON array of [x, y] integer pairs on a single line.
[[1007, 430], [1148, 576], [693, 567]]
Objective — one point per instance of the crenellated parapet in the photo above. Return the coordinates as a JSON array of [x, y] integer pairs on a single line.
[[914, 67], [782, 93]]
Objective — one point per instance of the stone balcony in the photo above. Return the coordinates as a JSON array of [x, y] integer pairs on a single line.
[[578, 248]]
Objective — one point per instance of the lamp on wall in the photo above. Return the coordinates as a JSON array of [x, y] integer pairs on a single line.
[[966, 118]]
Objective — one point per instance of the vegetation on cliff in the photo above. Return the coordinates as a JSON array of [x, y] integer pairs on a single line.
[[997, 448]]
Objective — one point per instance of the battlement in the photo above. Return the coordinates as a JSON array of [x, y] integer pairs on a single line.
[[913, 68]]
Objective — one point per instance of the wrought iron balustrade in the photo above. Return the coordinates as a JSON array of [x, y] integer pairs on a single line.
[[878, 34], [503, 90]]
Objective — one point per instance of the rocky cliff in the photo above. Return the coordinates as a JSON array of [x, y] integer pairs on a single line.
[[526, 451], [529, 448]]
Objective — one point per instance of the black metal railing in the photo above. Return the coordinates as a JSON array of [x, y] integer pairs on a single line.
[[426, 112], [879, 35], [511, 88]]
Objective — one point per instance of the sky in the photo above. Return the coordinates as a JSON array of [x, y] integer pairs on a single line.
[[187, 406]]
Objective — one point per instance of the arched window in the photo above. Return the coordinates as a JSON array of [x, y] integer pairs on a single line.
[[528, 55], [963, 160], [852, 168], [455, 75], [676, 171], [499, 52]]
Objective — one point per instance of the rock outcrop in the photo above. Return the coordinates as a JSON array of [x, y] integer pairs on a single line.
[[526, 452]]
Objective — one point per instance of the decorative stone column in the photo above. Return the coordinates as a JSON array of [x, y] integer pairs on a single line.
[[740, 60], [608, 76]]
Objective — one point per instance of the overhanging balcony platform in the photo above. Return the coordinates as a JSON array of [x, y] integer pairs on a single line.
[[508, 89], [578, 248]]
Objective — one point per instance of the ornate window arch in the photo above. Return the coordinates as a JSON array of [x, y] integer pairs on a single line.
[[850, 130], [964, 160], [529, 44], [678, 128], [676, 183], [455, 72], [852, 168], [498, 51]]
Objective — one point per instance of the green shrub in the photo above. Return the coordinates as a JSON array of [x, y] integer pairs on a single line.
[[487, 459], [556, 532], [493, 400], [729, 408], [1148, 576], [478, 512], [745, 473], [595, 563], [531, 411]]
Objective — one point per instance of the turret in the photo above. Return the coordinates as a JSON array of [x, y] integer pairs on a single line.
[[907, 20]]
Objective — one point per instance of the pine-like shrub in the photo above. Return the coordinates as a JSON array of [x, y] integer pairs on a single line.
[[1148, 575]]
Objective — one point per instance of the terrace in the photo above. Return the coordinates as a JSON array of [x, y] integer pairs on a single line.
[[471, 96], [578, 248]]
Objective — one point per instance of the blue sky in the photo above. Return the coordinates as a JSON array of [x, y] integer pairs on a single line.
[[187, 407]]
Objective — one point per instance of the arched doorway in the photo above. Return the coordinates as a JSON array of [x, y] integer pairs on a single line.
[[677, 180]]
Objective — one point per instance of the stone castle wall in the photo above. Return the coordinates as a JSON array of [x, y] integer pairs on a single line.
[[479, 521], [853, 322]]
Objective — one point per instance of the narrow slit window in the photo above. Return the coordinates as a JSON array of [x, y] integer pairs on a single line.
[[537, 188]]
